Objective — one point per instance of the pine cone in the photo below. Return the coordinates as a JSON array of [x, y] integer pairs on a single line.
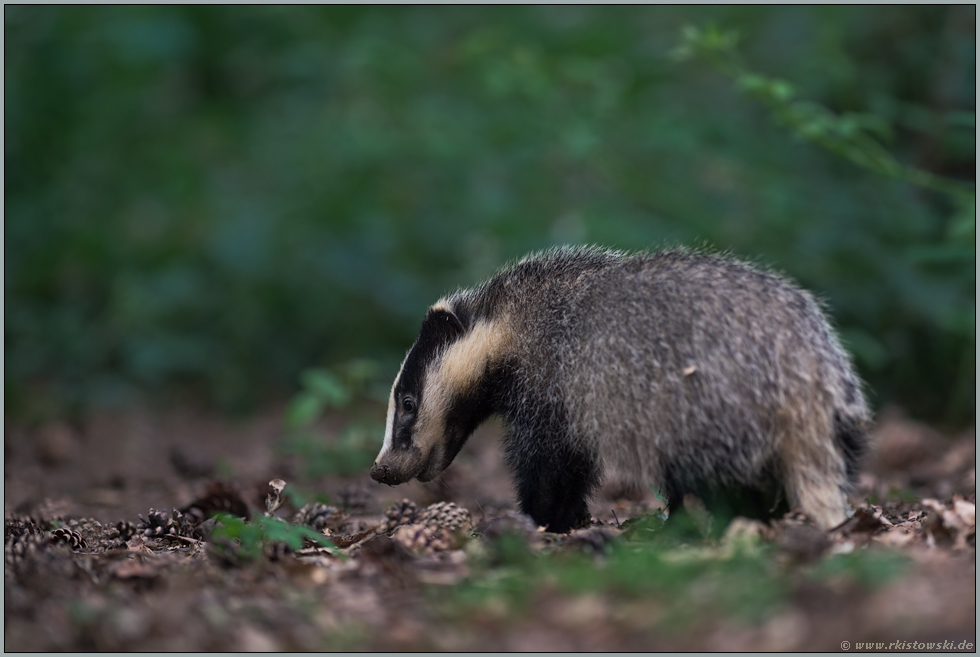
[[21, 548], [95, 536], [25, 541], [69, 536], [157, 523], [447, 515], [17, 526], [319, 516], [402, 513], [126, 530], [187, 523], [425, 538]]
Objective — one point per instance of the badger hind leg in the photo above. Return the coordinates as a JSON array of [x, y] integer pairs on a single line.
[[815, 472]]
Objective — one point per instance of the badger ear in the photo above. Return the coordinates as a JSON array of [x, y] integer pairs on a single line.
[[444, 321]]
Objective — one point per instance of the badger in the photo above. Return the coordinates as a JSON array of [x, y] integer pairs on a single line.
[[679, 370]]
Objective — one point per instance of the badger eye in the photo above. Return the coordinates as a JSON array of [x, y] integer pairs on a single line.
[[408, 406]]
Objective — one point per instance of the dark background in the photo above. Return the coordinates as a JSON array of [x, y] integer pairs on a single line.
[[202, 202]]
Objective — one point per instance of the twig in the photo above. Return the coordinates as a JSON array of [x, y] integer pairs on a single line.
[[188, 539]]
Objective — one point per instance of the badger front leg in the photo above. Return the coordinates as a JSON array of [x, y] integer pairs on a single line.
[[553, 479]]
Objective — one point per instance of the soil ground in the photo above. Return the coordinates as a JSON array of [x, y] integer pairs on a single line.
[[103, 551]]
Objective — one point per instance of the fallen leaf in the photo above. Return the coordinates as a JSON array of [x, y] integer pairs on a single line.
[[895, 538], [273, 501], [954, 525], [136, 544], [967, 511]]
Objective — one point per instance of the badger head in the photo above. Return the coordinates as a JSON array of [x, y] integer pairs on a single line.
[[439, 397]]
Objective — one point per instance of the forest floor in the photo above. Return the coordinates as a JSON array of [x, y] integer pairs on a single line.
[[108, 547]]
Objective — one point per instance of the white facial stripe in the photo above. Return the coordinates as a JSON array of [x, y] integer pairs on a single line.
[[390, 420], [441, 304]]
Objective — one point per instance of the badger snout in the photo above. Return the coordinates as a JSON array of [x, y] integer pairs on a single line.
[[395, 467], [382, 474], [391, 472]]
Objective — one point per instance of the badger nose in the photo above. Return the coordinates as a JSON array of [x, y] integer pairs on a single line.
[[379, 473]]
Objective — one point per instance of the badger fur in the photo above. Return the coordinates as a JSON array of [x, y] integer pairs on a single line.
[[679, 370]]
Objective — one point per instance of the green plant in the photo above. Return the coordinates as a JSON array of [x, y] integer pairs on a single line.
[[248, 538]]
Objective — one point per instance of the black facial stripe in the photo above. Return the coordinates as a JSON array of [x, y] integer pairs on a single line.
[[401, 437], [440, 328]]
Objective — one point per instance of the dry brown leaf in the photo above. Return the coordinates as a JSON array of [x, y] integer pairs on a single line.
[[967, 511], [897, 537], [865, 523], [273, 500], [956, 524], [347, 540], [136, 544]]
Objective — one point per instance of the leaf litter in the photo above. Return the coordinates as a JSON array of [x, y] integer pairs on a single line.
[[243, 563]]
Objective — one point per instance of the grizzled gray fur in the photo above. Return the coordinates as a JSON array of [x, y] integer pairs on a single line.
[[679, 370]]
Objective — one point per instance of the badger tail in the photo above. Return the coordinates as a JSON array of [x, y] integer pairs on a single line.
[[851, 436]]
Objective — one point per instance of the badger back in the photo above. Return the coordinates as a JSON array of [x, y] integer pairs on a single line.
[[442, 392], [694, 364]]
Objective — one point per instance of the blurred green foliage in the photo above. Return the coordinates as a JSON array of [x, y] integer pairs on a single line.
[[344, 388], [211, 199], [741, 578], [868, 568], [849, 135]]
